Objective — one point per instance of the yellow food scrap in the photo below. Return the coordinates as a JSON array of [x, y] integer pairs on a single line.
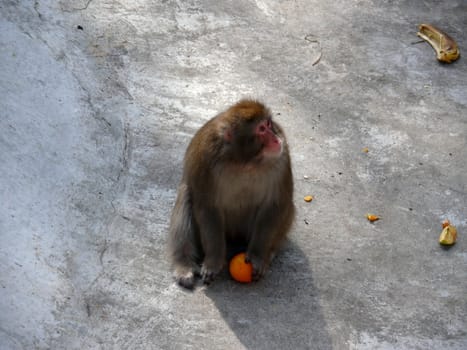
[[446, 223], [446, 48], [372, 217], [308, 198], [448, 236], [365, 150]]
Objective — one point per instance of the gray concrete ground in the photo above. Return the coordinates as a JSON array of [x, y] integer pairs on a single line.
[[99, 99]]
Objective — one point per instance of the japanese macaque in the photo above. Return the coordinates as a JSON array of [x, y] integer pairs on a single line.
[[236, 193]]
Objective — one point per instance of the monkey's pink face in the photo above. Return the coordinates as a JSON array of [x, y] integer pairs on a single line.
[[272, 144]]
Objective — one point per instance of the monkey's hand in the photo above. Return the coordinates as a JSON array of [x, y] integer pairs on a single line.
[[259, 266]]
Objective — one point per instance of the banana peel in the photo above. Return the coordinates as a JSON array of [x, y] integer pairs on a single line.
[[448, 235], [446, 48]]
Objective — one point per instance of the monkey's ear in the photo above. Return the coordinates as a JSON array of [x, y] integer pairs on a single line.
[[228, 135]]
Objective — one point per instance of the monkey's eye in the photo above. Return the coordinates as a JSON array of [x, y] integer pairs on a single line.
[[264, 126]]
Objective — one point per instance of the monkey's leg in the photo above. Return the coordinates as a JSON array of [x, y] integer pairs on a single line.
[[184, 246], [212, 235]]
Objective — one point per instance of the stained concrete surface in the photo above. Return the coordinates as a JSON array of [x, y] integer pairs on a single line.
[[98, 102]]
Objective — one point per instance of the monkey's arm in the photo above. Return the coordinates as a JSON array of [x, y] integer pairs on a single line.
[[266, 235]]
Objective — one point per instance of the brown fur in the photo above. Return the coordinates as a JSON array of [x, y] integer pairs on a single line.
[[231, 194]]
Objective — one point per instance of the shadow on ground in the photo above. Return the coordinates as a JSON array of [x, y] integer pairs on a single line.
[[282, 311]]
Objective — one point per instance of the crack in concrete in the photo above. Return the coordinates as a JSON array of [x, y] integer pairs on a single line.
[[36, 9], [85, 7], [17, 338], [125, 152], [102, 252]]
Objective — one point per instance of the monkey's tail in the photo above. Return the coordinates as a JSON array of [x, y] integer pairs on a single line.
[[184, 243]]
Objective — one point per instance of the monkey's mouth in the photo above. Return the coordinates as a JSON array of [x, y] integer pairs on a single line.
[[273, 149]]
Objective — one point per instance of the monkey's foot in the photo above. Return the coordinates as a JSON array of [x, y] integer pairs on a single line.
[[186, 280]]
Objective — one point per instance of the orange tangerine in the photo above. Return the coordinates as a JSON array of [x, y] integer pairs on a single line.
[[240, 270]]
